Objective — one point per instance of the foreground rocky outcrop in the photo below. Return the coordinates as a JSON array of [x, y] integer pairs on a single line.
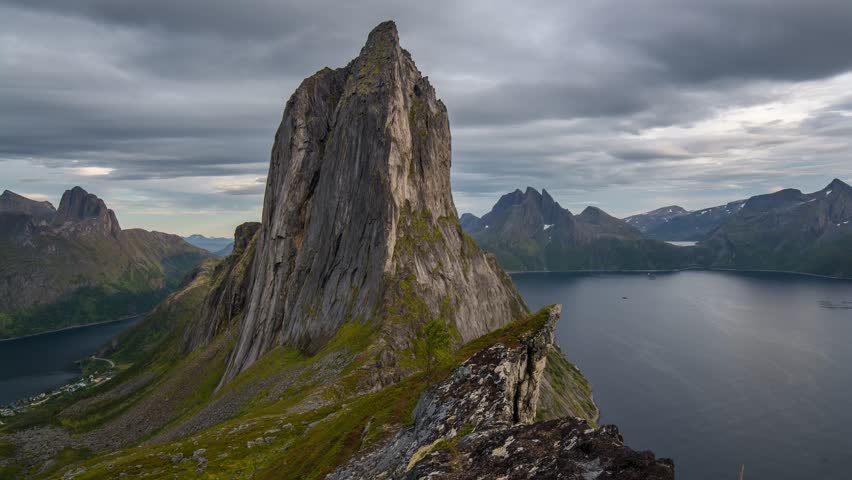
[[358, 218], [479, 424]]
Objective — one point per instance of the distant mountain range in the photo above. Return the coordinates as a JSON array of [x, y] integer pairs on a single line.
[[75, 265], [787, 231], [674, 223], [530, 231], [219, 246]]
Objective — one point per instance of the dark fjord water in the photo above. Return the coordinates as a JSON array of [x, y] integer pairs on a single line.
[[33, 365], [715, 369]]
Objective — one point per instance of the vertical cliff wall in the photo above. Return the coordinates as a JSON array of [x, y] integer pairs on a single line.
[[358, 219]]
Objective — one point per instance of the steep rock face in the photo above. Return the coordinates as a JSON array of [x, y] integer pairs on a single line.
[[79, 207], [358, 220], [479, 424], [228, 294]]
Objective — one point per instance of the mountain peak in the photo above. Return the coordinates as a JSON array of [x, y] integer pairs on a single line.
[[78, 206], [837, 184], [359, 216], [670, 209], [592, 214], [590, 210], [381, 33]]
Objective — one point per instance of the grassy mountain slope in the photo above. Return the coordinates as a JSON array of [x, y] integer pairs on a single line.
[[289, 415]]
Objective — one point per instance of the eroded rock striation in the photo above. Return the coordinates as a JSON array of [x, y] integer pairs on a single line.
[[225, 302], [358, 219], [478, 423]]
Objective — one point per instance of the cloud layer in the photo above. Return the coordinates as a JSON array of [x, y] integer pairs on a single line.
[[167, 109]]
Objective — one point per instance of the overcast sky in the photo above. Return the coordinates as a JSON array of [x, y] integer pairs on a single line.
[[167, 108]]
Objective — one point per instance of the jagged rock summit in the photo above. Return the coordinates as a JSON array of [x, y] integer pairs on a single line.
[[358, 220], [78, 206]]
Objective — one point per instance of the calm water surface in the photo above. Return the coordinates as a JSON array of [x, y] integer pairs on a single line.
[[36, 364], [715, 369]]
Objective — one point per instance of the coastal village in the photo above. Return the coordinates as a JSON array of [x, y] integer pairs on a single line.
[[95, 378]]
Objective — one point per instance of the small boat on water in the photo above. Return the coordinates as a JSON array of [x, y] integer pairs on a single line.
[[651, 276]]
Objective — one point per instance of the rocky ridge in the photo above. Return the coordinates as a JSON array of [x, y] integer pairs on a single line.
[[788, 230], [224, 304], [648, 221], [676, 224], [12, 203], [478, 423]]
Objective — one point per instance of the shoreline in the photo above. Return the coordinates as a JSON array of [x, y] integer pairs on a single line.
[[73, 327], [686, 269]]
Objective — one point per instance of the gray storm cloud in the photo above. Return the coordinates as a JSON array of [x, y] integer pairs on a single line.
[[633, 104]]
